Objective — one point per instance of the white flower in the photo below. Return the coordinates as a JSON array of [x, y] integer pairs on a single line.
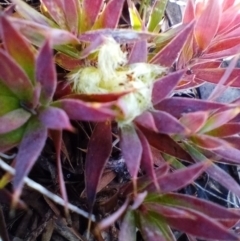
[[112, 74]]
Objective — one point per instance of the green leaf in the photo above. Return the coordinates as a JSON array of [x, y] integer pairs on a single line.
[[156, 15], [11, 139], [7, 104]]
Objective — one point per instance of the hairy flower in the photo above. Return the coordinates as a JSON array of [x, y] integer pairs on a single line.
[[113, 75]]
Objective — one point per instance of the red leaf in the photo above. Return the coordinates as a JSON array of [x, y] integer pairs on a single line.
[[169, 53], [215, 172], [71, 10], [13, 120], [180, 178], [189, 12], [67, 62], [210, 209], [208, 142], [98, 152], [194, 121], [107, 19], [178, 106], [138, 53], [55, 10], [90, 12], [14, 78], [163, 87], [29, 149], [79, 110], [210, 17], [165, 144], [146, 120], [101, 98], [24, 56], [228, 129], [219, 119], [194, 223], [147, 159], [214, 75], [57, 140], [131, 149], [54, 118], [45, 73], [167, 124]]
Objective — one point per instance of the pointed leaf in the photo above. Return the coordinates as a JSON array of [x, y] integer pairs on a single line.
[[13, 120], [138, 53], [131, 149], [156, 15], [79, 110], [29, 150], [31, 14], [149, 229], [24, 56], [178, 106], [98, 152], [72, 15], [57, 140], [90, 12], [211, 209], [209, 17], [169, 53], [128, 229], [215, 172], [180, 178], [195, 223], [220, 118], [54, 118], [105, 223], [194, 121], [230, 154], [213, 75], [146, 120], [14, 78], [147, 158], [67, 62], [165, 144], [208, 142], [228, 129], [189, 12], [107, 19], [45, 73], [38, 33], [163, 87], [167, 124], [56, 11]]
